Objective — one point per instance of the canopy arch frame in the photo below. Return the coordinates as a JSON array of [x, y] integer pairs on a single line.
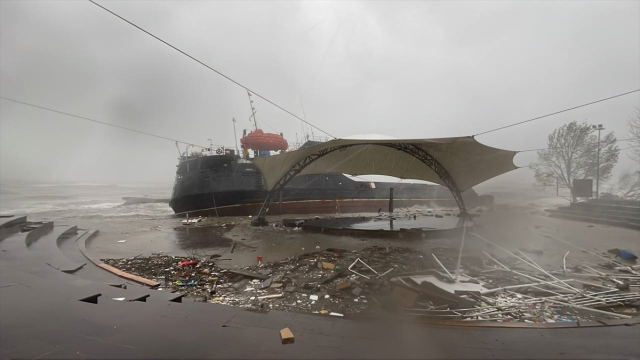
[[410, 149]]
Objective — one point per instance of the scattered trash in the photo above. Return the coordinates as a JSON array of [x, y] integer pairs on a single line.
[[192, 221], [623, 254], [328, 266], [190, 283], [343, 285], [188, 263], [500, 286]]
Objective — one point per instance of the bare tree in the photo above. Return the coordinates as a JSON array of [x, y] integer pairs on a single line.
[[629, 185], [573, 154], [629, 182], [634, 135]]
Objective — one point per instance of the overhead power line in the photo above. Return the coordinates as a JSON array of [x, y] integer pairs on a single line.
[[103, 123], [209, 67], [557, 112]]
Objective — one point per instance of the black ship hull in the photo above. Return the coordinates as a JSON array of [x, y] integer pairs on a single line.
[[227, 185]]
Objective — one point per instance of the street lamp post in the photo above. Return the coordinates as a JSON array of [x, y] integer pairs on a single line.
[[599, 128]]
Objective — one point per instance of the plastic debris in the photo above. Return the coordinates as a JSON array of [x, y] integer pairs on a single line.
[[512, 288]]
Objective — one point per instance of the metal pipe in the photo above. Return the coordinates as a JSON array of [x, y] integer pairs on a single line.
[[606, 300], [464, 234], [551, 283], [585, 308], [517, 286], [590, 309], [564, 262], [549, 275], [516, 256], [442, 266]]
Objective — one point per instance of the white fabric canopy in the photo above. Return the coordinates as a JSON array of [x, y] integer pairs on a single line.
[[468, 162]]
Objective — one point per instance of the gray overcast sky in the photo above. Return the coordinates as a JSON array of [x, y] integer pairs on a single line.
[[405, 69]]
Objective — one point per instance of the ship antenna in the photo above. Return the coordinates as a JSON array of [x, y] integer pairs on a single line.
[[304, 135], [235, 137], [304, 114], [179, 153], [253, 111]]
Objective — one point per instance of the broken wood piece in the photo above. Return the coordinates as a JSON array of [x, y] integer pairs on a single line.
[[286, 336], [343, 285], [272, 296], [328, 266]]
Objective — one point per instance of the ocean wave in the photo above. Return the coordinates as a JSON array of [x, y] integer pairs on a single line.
[[73, 184]]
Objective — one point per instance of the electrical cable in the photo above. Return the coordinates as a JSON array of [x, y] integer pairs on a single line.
[[207, 66], [557, 112], [104, 123]]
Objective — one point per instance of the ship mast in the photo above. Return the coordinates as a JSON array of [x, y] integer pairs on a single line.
[[235, 137], [253, 111]]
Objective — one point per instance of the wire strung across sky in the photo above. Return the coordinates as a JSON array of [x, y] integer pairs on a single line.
[[187, 143], [209, 67], [557, 112], [104, 123]]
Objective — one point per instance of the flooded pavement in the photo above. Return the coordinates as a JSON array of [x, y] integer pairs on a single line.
[[401, 220], [528, 278]]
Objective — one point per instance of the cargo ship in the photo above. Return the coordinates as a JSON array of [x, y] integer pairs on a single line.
[[226, 183]]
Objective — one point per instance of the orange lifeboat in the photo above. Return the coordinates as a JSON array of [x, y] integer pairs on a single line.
[[259, 140]]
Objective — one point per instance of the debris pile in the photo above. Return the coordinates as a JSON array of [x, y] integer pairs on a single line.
[[378, 279]]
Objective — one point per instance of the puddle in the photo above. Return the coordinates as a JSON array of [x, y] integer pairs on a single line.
[[421, 222], [200, 237]]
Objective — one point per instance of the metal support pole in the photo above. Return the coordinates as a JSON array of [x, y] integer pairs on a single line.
[[598, 169], [599, 128], [391, 200], [464, 234], [235, 137]]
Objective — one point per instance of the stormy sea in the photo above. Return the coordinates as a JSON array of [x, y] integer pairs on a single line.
[[82, 201]]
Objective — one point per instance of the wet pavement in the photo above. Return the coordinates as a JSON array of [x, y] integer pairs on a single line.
[[161, 329]]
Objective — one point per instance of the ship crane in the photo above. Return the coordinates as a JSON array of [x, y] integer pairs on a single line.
[[260, 141]]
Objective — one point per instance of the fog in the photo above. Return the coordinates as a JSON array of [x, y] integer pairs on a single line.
[[401, 69]]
